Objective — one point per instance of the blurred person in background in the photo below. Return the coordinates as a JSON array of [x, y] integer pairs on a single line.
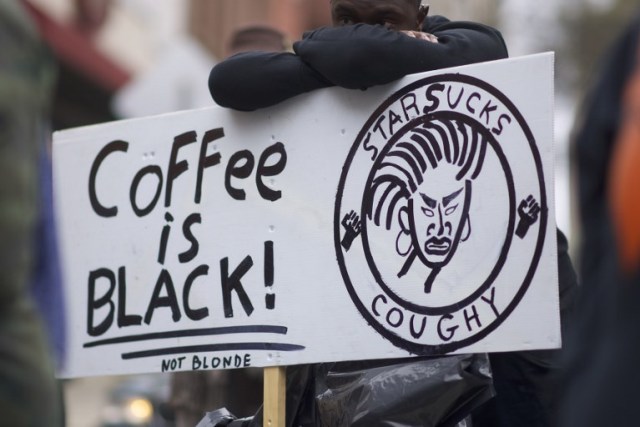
[[602, 376], [376, 42], [239, 390], [262, 38], [29, 395]]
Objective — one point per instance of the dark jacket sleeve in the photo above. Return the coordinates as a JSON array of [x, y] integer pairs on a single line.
[[355, 57], [252, 80], [360, 56]]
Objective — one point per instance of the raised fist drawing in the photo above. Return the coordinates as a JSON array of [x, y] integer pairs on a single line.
[[528, 211], [352, 226]]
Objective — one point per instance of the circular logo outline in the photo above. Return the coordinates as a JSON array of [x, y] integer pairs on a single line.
[[398, 341], [509, 232]]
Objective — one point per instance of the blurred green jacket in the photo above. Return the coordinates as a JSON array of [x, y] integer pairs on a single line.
[[28, 395]]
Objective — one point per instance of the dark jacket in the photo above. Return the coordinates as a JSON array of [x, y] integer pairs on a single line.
[[355, 57], [603, 350]]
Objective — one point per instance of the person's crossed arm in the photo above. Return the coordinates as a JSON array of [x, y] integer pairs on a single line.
[[352, 56]]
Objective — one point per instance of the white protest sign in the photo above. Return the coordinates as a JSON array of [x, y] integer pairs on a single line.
[[409, 219]]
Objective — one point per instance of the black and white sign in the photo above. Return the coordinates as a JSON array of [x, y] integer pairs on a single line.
[[410, 219]]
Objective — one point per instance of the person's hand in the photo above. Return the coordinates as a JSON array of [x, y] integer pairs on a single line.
[[420, 35]]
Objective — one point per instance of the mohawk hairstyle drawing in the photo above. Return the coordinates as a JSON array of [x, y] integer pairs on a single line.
[[424, 147]]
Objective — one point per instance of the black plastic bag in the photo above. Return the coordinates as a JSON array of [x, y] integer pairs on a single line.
[[418, 392]]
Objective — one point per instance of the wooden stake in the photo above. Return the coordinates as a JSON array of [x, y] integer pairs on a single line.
[[275, 388]]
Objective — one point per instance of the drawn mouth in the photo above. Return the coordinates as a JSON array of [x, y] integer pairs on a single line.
[[435, 246]]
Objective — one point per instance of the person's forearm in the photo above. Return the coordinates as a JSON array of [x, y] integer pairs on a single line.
[[252, 80], [361, 56]]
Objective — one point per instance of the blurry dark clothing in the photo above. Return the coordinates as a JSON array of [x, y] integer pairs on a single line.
[[28, 394], [602, 378], [354, 56], [593, 145], [527, 383]]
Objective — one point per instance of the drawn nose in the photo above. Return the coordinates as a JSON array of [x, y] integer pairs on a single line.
[[441, 223]]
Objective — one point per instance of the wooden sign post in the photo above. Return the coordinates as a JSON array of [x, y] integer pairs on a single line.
[[275, 387], [306, 232]]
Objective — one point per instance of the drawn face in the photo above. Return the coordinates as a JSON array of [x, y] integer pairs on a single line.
[[438, 214], [394, 14]]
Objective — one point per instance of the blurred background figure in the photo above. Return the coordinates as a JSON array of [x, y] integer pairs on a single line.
[[257, 37], [603, 378], [29, 395]]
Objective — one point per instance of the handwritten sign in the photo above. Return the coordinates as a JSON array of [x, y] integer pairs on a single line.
[[409, 219]]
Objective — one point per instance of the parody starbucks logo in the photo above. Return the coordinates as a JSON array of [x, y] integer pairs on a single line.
[[441, 214]]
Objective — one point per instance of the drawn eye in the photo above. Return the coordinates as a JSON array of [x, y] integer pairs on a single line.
[[450, 210], [428, 212]]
